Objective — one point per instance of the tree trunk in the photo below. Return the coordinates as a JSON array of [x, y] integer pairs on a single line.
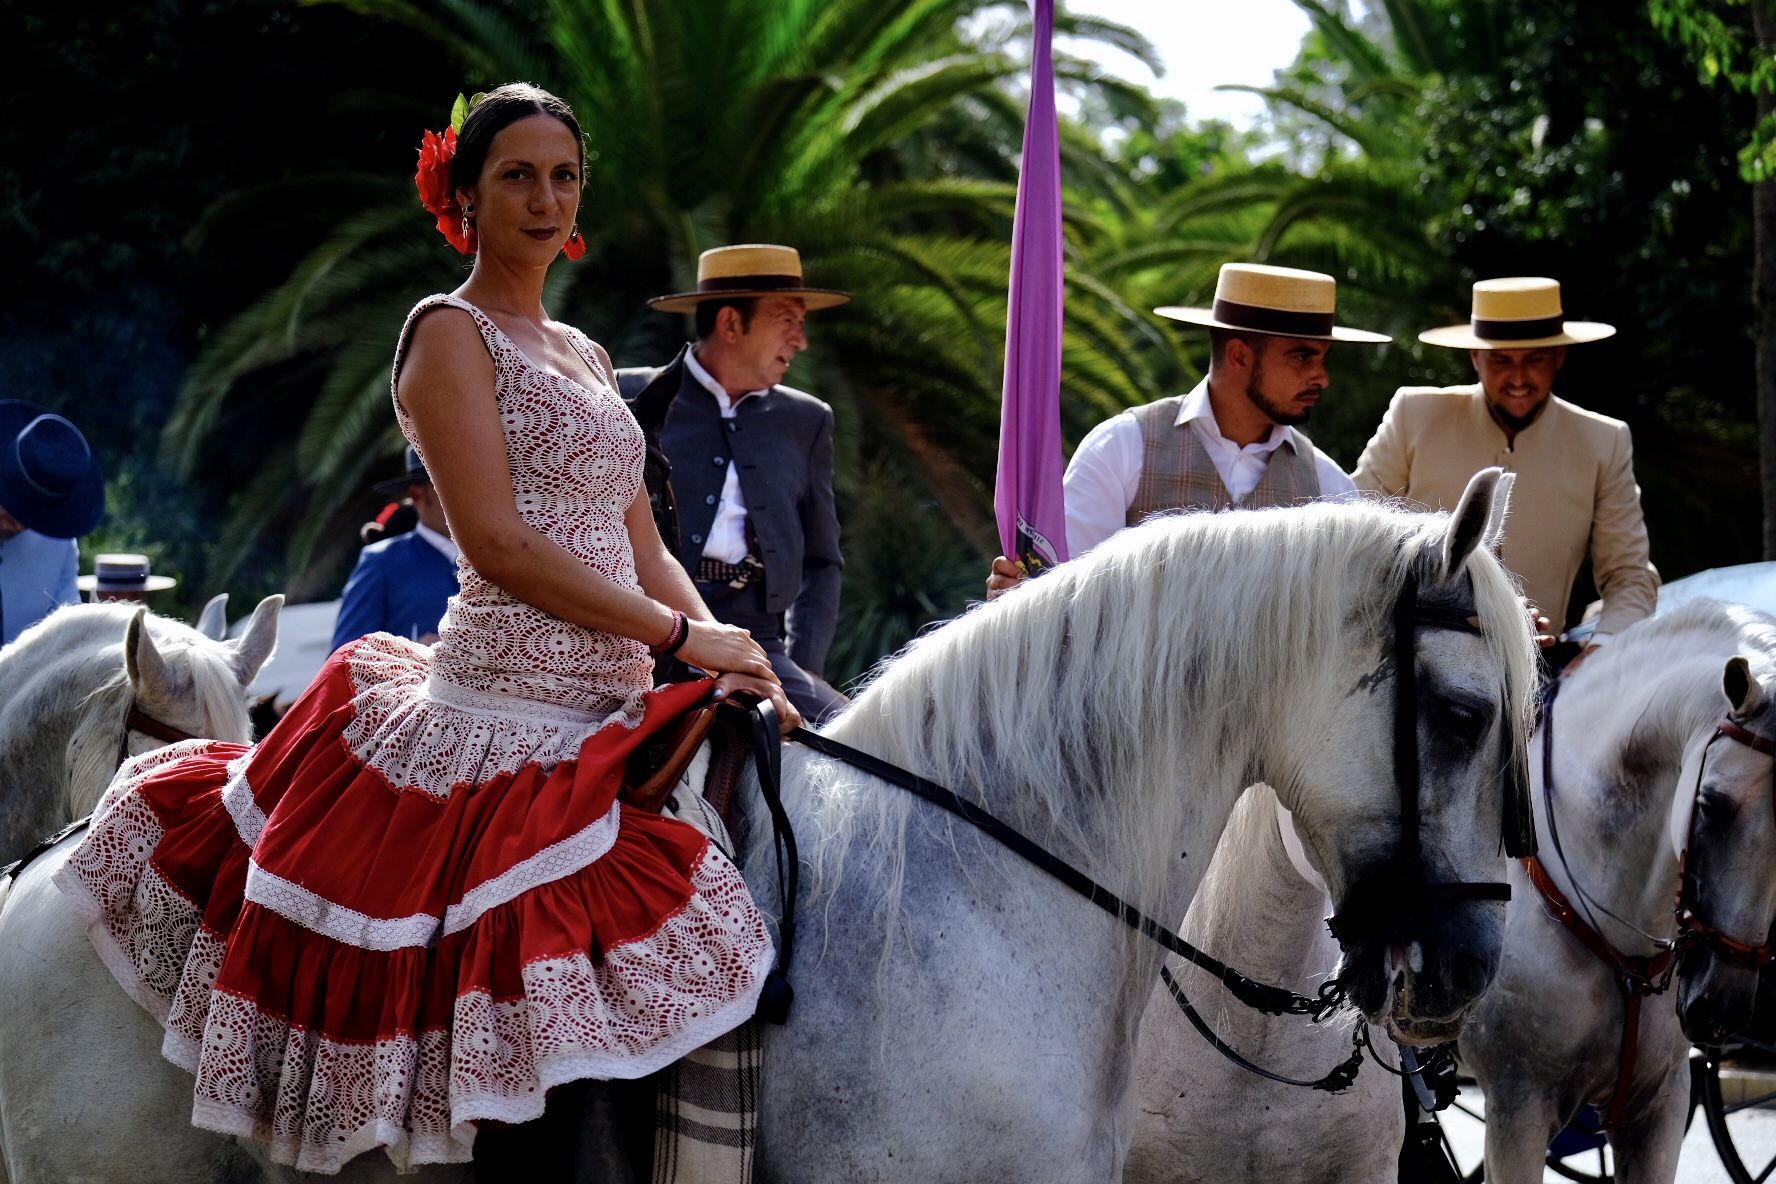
[[1763, 288]]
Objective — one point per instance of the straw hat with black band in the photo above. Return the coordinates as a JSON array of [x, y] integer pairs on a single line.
[[1274, 301], [114, 574], [1521, 312], [746, 271]]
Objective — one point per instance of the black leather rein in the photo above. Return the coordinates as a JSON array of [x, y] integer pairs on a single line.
[[1259, 996]]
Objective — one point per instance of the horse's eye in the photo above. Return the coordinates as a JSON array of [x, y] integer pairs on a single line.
[[1716, 809], [1458, 718]]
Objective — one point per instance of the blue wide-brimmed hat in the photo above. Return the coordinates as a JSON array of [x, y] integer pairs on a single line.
[[414, 475], [49, 477]]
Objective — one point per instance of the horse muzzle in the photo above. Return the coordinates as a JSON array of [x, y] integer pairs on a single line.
[[1422, 982], [1715, 996]]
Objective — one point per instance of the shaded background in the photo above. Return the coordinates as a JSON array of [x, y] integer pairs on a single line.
[[209, 236]]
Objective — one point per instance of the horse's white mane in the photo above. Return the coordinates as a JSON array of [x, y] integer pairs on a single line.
[[1687, 646], [1080, 697], [75, 641]]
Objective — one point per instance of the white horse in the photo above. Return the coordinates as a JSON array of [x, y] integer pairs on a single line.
[[69, 683], [1631, 755], [1204, 1120], [961, 1016]]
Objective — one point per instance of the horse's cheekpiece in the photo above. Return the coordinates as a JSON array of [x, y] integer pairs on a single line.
[[1391, 904]]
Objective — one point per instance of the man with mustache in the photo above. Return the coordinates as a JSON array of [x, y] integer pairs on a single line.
[[1575, 468], [1233, 441]]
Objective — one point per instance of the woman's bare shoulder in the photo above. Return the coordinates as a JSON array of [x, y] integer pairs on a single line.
[[445, 347]]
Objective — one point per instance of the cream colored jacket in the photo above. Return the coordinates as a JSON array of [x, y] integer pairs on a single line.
[[1575, 491]]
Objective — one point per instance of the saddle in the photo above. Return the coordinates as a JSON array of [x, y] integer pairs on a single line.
[[657, 767]]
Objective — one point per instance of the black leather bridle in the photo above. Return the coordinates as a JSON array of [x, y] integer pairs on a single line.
[[1390, 904]]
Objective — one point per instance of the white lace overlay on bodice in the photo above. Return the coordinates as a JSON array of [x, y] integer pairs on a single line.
[[575, 455]]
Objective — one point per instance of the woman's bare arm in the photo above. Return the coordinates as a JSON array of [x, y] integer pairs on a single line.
[[446, 387]]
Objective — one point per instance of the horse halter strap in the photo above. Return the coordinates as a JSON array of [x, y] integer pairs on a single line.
[[1693, 931], [1390, 902], [137, 720]]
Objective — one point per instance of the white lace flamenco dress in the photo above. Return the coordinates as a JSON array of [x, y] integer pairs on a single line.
[[417, 905]]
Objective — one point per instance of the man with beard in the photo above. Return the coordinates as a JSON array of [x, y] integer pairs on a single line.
[[1232, 442], [1574, 467]]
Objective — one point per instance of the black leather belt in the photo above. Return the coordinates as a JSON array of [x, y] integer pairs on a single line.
[[734, 575]]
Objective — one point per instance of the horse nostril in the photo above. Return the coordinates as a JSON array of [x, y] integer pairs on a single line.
[[1470, 974]]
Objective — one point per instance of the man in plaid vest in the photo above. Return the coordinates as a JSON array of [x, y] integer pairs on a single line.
[[1231, 443]]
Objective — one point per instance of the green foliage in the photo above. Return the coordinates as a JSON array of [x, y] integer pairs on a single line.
[[1722, 38]]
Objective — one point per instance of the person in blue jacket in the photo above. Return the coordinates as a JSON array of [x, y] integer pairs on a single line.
[[51, 493], [402, 584]]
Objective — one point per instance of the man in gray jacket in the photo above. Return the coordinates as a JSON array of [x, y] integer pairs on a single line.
[[740, 467]]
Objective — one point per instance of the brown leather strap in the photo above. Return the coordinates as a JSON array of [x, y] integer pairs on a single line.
[[656, 768], [140, 721], [1643, 972], [1625, 1062], [1746, 737], [1636, 976]]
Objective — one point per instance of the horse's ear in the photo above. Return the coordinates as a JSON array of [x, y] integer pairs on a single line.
[[213, 621], [1744, 693], [259, 640], [141, 659], [1467, 526], [1494, 537]]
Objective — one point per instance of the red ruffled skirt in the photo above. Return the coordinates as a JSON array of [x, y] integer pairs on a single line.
[[348, 959]]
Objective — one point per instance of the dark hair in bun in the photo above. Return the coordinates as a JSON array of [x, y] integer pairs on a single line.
[[499, 109]]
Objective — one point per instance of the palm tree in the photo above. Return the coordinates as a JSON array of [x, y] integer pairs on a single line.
[[877, 138], [874, 137]]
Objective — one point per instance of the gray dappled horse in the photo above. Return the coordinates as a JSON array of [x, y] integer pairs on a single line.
[[960, 1015], [1642, 771], [69, 683]]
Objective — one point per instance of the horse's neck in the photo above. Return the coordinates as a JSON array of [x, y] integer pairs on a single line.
[[1253, 908], [41, 709], [1619, 744]]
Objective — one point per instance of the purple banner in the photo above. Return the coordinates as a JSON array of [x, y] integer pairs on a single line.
[[1027, 496]]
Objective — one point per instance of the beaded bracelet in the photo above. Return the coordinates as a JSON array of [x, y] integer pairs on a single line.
[[681, 633]]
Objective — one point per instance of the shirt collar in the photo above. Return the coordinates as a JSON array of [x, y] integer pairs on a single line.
[[1196, 408], [446, 546], [707, 381]]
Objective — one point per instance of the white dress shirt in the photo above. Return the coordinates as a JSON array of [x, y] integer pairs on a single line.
[[726, 542], [444, 543], [1105, 470]]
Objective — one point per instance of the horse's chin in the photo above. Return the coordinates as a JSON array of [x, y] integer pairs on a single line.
[[1378, 984], [1421, 1033]]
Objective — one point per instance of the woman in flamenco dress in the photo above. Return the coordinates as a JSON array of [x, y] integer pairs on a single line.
[[416, 905]]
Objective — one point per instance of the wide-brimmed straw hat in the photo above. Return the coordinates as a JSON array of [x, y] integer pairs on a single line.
[[415, 474], [754, 269], [1276, 301], [49, 477], [1522, 312], [123, 573]]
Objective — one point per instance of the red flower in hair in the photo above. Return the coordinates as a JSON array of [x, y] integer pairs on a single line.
[[435, 194]]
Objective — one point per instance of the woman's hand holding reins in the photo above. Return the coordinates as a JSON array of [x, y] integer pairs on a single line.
[[788, 718], [724, 649]]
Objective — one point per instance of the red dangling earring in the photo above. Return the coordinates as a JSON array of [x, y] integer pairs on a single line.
[[575, 246]]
